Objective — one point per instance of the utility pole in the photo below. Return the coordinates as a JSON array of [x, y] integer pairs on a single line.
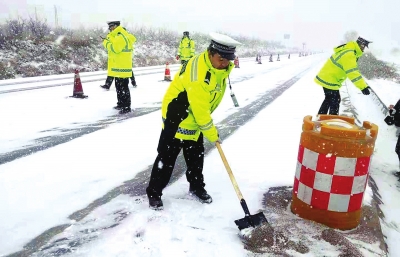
[[286, 38], [55, 17]]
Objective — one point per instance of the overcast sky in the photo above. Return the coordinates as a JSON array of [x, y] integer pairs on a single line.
[[318, 23]]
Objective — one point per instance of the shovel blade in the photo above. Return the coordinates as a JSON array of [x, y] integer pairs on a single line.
[[251, 221]]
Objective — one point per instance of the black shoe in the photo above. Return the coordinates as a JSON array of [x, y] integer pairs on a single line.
[[117, 107], [156, 204], [201, 195], [105, 87], [155, 201], [124, 110]]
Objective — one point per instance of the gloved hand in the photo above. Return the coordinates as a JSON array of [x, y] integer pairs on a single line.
[[177, 57], [365, 91]]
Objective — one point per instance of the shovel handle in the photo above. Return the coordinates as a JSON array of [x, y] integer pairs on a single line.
[[230, 173]]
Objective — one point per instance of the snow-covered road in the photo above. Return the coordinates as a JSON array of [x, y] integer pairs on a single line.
[[77, 190]]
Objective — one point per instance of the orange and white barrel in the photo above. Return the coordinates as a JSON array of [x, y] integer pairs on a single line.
[[332, 170]]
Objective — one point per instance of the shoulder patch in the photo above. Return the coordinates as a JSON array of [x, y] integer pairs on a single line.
[[207, 78]]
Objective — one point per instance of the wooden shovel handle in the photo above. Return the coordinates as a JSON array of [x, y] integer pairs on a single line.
[[230, 173]]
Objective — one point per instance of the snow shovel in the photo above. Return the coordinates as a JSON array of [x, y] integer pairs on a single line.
[[248, 220]]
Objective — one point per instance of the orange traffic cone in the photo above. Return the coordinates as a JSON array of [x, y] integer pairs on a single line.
[[78, 90], [167, 75]]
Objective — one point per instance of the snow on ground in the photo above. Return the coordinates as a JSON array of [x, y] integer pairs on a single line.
[[41, 190]]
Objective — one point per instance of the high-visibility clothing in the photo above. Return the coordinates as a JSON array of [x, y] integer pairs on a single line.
[[195, 92], [119, 44], [341, 65], [186, 49]]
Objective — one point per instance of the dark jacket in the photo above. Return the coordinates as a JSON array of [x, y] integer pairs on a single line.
[[396, 113]]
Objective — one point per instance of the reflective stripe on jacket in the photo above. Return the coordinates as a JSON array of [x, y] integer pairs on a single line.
[[186, 49], [341, 65], [195, 92], [119, 46]]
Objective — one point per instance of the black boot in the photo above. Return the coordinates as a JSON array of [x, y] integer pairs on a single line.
[[105, 87], [125, 110], [155, 201], [201, 194]]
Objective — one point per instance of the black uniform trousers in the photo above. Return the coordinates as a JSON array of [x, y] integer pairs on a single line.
[[168, 149], [397, 124], [110, 80], [397, 149], [331, 102], [123, 93]]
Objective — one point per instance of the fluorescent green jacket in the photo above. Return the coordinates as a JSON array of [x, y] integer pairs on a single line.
[[119, 46], [132, 39], [341, 65], [186, 49], [110, 58], [194, 93]]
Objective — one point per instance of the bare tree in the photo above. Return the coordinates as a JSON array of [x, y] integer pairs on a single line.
[[15, 28], [38, 28]]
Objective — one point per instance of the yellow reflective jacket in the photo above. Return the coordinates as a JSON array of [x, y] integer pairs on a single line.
[[132, 39], [194, 93], [119, 46], [110, 57], [186, 49], [341, 65]]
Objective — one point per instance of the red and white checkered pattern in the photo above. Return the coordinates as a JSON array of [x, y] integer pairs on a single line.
[[330, 183]]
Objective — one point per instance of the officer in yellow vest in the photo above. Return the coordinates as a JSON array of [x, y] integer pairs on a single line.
[[119, 44], [186, 48], [341, 65], [195, 92], [110, 79]]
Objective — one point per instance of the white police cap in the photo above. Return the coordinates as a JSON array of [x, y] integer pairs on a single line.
[[224, 45]]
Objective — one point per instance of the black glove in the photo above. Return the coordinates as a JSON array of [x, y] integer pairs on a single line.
[[365, 91]]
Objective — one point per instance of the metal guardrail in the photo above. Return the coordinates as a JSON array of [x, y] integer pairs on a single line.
[[83, 75], [68, 79], [24, 84], [384, 108], [376, 98]]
